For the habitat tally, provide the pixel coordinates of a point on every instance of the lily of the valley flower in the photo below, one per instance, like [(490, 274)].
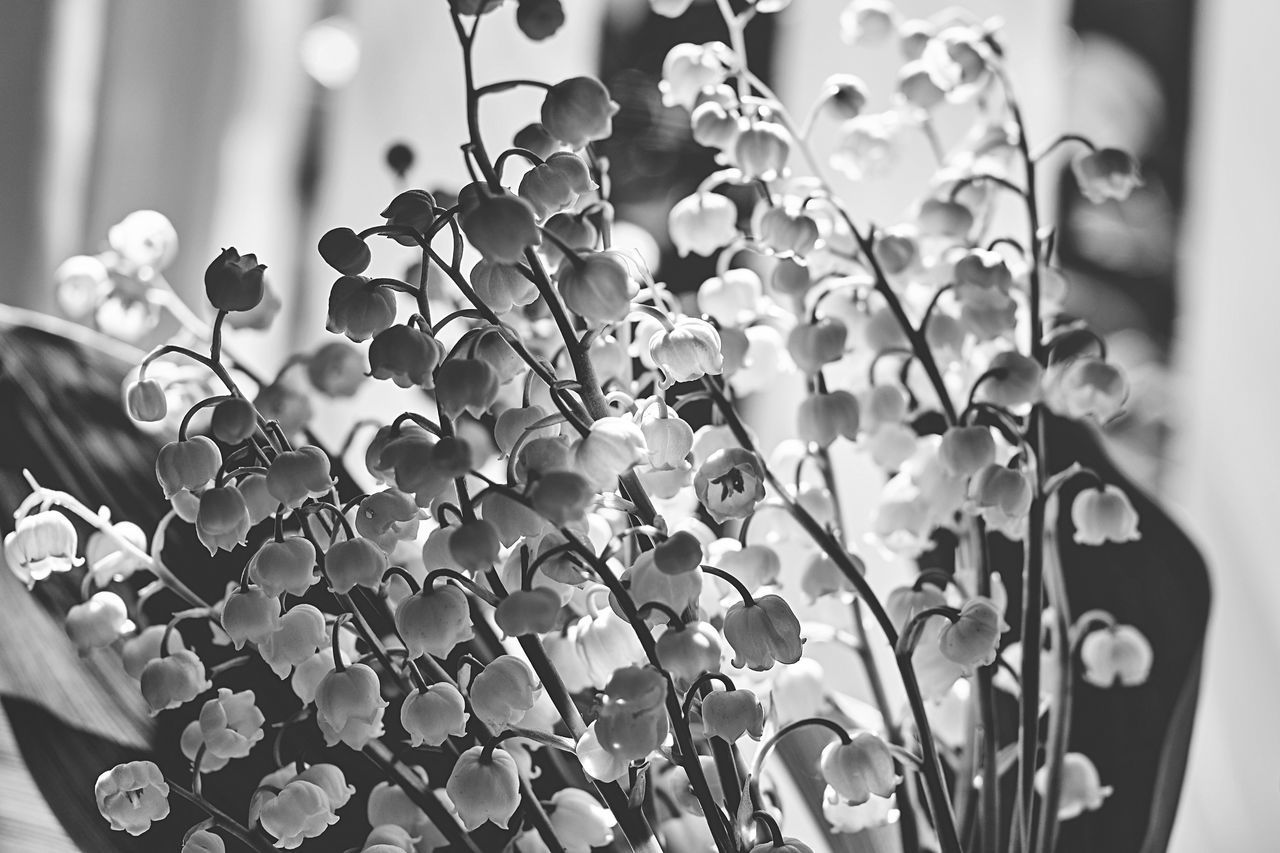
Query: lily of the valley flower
[(300, 634), (859, 769), (250, 615), (687, 351), (349, 706), (504, 691), (730, 714), (231, 723), (360, 308), (484, 787), (285, 566), (730, 484), (973, 638), (130, 796), (581, 821), (1082, 788), (633, 719), (98, 622), (295, 475), (300, 811), (1116, 654), (222, 520), (432, 715), (611, 448), (42, 543), (1107, 173), (354, 562), (234, 282), (188, 464), (434, 621), (702, 223), (578, 110), (1104, 514), (173, 680), (763, 631)]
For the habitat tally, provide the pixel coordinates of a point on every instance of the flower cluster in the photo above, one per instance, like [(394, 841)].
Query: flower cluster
[(559, 558)]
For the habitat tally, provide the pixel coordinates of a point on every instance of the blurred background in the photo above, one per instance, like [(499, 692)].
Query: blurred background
[(262, 125)]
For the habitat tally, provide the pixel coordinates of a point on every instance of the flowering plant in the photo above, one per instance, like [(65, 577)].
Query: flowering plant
[(549, 569)]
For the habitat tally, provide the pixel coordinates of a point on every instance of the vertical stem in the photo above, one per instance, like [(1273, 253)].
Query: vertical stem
[(991, 829), (1060, 708)]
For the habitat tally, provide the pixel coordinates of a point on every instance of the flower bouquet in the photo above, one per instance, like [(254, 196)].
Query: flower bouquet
[(552, 612)]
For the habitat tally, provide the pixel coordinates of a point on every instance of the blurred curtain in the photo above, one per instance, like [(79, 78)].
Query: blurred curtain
[(1227, 457)]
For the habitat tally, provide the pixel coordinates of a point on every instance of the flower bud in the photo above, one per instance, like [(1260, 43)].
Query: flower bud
[(336, 369), (144, 238), (130, 796), (296, 475), (173, 680), (763, 631), (233, 420), (824, 417), (703, 223), (813, 345), (1081, 787), (300, 811), (386, 518), (501, 226), (433, 715), (98, 622), (188, 464), (786, 234), (413, 209), (1104, 514), (730, 483), (730, 714), (406, 355), (349, 706), (919, 87), (597, 286), (146, 402), (680, 592), (345, 251), (578, 110), (823, 576), (250, 615), (581, 821), (562, 497), (222, 522), (231, 723), (484, 788), (754, 565), (973, 639), (633, 719), (1119, 653), (688, 651), (108, 559), (762, 149), (1086, 388), (1002, 495), (81, 281), (688, 69), (40, 544), (434, 621), (466, 385), (360, 308), (860, 768), (233, 282), (504, 691), (301, 633), (539, 19), (352, 563), (555, 184), (868, 22), (501, 286), (330, 779), (688, 351), (528, 611), (574, 230), (1106, 173)]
